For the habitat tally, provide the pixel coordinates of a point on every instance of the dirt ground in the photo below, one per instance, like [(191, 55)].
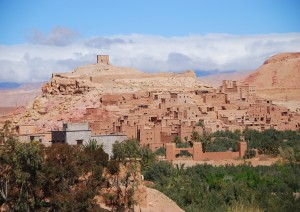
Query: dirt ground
[(158, 202)]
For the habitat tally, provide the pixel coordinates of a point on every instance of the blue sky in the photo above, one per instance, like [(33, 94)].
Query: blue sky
[(40, 37), (156, 17)]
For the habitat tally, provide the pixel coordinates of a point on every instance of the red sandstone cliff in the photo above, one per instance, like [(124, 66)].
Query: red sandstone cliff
[(279, 71)]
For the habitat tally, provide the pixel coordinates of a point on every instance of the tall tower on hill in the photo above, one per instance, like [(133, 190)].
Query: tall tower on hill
[(104, 59)]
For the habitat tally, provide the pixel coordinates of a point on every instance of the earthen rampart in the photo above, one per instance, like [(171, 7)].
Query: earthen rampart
[(199, 155)]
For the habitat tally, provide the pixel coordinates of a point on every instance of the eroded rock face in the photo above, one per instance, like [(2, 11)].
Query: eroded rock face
[(279, 71), (65, 85)]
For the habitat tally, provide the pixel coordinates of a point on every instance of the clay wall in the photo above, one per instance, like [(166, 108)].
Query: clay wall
[(25, 129), (130, 131), (166, 137), (220, 155), (103, 59), (147, 135), (213, 125), (185, 131), (229, 86), (215, 98), (184, 98), (155, 146), (232, 97), (199, 155), (247, 92)]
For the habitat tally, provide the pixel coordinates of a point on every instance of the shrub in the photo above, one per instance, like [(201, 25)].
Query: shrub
[(161, 151), (249, 153)]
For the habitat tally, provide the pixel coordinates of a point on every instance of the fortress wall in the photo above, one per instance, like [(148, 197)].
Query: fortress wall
[(220, 155), (199, 155)]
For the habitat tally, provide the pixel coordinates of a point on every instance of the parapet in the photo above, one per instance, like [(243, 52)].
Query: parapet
[(104, 59)]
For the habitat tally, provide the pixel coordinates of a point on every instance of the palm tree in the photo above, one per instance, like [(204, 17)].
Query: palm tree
[(92, 145), (177, 139)]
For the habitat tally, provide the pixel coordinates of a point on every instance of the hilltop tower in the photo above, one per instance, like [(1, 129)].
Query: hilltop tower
[(104, 59)]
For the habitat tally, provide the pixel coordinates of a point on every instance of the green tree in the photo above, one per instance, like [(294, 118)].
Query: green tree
[(20, 176), (72, 177), (6, 132), (126, 149)]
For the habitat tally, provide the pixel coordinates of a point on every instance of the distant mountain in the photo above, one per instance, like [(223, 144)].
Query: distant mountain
[(9, 85), (278, 79), (205, 73), (279, 71), (215, 79), (15, 94)]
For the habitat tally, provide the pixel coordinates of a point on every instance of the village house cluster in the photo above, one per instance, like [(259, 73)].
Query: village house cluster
[(156, 118)]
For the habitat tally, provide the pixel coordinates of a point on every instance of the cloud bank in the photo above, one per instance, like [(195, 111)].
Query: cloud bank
[(63, 50)]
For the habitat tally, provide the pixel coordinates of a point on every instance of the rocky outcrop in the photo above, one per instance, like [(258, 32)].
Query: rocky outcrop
[(112, 79), (65, 85)]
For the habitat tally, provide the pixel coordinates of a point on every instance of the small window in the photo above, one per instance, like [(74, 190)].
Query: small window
[(79, 142)]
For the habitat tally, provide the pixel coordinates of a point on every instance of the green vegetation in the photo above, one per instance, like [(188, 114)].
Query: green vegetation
[(67, 178), (268, 142), (229, 188), (161, 151), (60, 177), (131, 149)]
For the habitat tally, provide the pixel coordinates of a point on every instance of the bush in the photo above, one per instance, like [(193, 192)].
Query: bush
[(161, 151), (183, 145), (249, 153)]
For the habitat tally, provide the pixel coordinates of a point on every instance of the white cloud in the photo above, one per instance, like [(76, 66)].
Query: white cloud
[(37, 61), (58, 36)]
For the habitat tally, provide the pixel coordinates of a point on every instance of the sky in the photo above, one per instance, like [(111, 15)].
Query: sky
[(41, 37)]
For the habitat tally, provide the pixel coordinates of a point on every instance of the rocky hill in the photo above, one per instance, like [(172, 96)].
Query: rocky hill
[(279, 71), (278, 79), (112, 79), (67, 95)]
